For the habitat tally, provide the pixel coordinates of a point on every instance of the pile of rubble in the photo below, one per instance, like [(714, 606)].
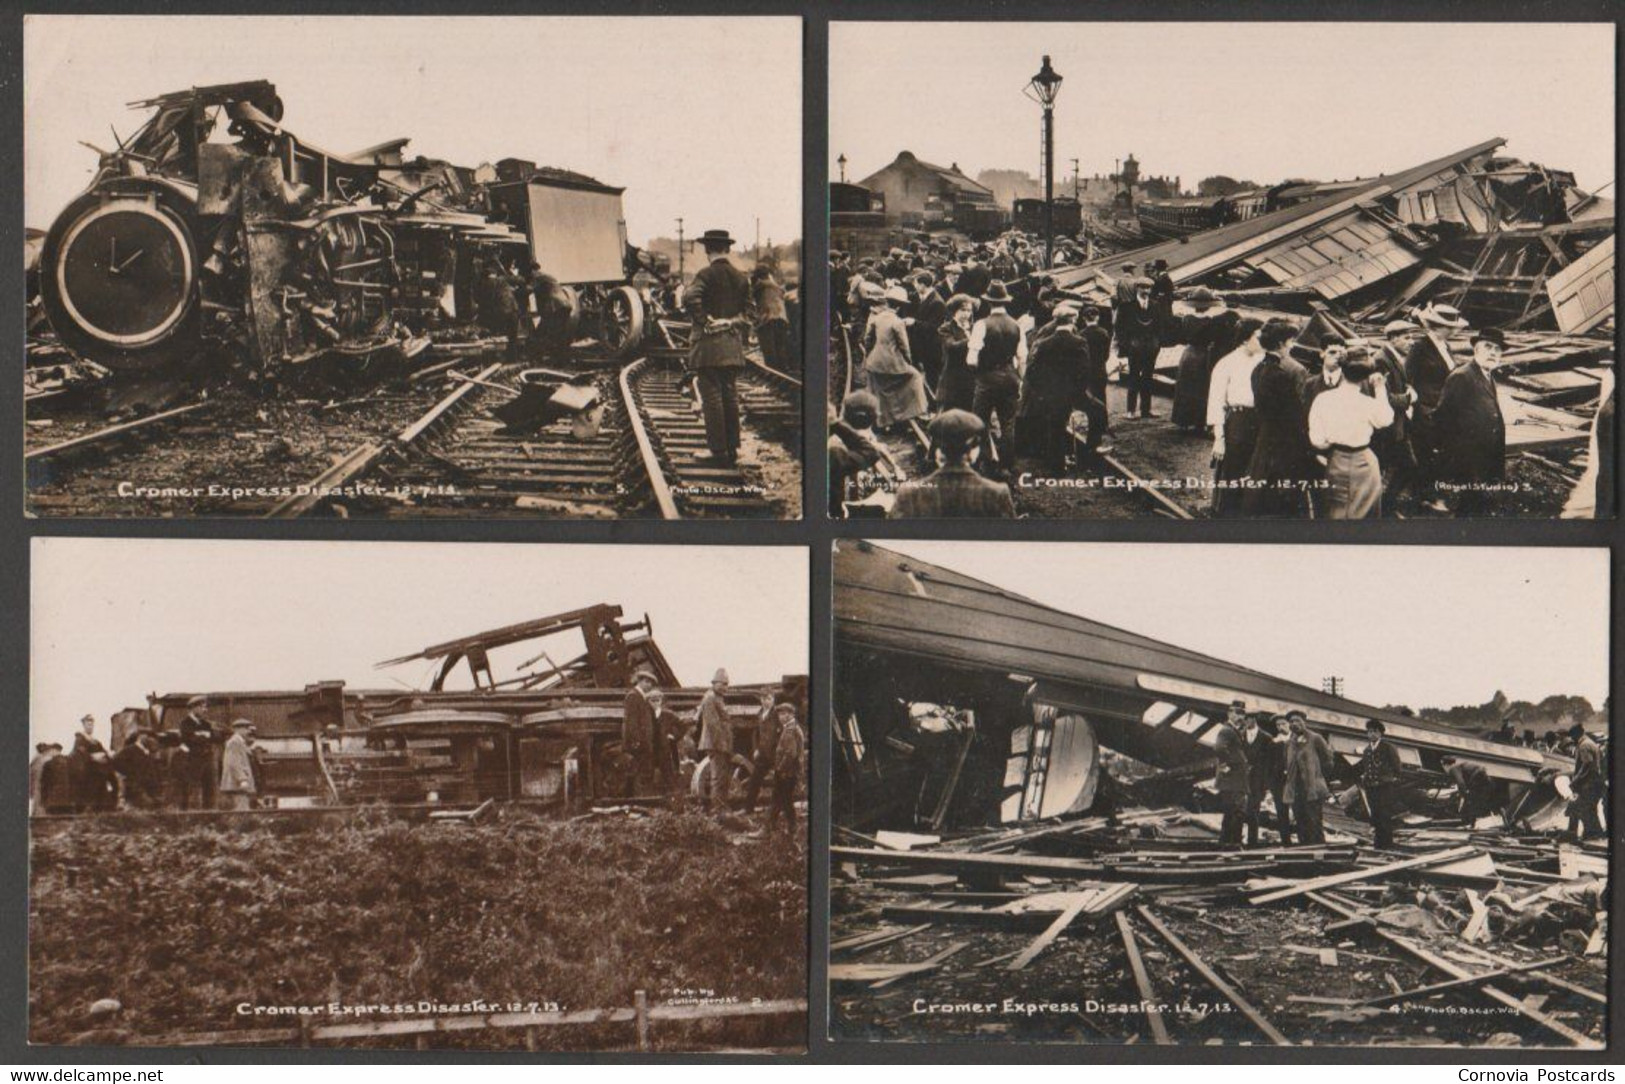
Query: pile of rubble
[(1141, 927)]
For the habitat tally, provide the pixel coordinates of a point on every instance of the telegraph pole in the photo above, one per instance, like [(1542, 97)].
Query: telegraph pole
[(841, 161), (1332, 686), (1074, 178), (681, 248)]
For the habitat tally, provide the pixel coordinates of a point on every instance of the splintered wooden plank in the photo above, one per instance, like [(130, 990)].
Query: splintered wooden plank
[(1333, 880), (929, 964), (1463, 983), (1051, 932), (1495, 993), (1142, 981), (863, 942), (1213, 978)]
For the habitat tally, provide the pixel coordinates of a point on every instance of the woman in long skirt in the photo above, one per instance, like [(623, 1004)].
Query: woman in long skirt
[(892, 377)]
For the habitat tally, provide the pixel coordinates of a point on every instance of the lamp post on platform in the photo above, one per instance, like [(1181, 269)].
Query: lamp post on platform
[(1043, 89)]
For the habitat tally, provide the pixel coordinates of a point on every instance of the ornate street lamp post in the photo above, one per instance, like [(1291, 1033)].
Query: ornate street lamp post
[(1043, 89)]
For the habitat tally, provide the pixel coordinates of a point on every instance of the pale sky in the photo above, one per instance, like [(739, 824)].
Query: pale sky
[(1255, 101), (113, 620), (695, 117), (1424, 626)]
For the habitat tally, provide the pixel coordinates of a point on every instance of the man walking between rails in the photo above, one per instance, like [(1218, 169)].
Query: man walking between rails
[(721, 305)]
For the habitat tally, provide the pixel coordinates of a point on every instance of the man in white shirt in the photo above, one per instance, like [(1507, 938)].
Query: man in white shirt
[(1231, 417), (1342, 421)]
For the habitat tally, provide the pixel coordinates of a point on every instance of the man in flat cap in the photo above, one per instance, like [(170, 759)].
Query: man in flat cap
[(237, 784), (1468, 429), (789, 761), (638, 732), (1393, 444), (955, 489), (198, 738), (717, 743), (1308, 764), (720, 303)]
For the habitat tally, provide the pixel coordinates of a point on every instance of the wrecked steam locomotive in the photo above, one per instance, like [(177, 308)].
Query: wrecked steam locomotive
[(507, 716), (269, 251)]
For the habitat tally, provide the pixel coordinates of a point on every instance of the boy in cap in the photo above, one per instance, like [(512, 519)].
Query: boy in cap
[(789, 757), (955, 489)]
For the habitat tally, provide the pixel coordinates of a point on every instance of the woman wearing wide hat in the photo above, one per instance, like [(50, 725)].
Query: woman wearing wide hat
[(1207, 331), (888, 365)]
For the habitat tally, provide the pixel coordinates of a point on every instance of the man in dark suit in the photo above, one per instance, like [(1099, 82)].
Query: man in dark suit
[(198, 744), (997, 352), (138, 769), (1099, 340), (1283, 460), (925, 317), (1266, 774), (720, 303), (1379, 774), (1468, 431), (955, 489), (1427, 364), (1139, 339), (1231, 750), (1054, 385), (638, 733), (1393, 444)]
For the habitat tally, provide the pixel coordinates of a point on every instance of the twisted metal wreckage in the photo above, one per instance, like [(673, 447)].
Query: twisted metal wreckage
[(270, 251), (548, 733)]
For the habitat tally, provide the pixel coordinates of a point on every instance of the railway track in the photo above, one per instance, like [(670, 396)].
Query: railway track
[(633, 453), (52, 459)]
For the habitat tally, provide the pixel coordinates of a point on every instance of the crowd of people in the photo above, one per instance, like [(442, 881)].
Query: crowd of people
[(1306, 419), (669, 754), (196, 766), (1279, 757)]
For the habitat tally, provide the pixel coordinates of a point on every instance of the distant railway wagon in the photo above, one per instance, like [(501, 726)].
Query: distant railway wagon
[(1028, 216), (551, 733)]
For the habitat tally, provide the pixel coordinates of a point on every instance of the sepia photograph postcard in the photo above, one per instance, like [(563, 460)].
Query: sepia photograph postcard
[(548, 798), (1233, 270), (413, 267), (1178, 795)]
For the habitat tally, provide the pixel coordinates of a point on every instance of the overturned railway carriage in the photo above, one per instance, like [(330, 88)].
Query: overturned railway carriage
[(269, 250), (549, 734), (961, 703)]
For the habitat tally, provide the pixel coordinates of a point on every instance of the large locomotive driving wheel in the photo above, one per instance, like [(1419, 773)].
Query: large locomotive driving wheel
[(120, 279)]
